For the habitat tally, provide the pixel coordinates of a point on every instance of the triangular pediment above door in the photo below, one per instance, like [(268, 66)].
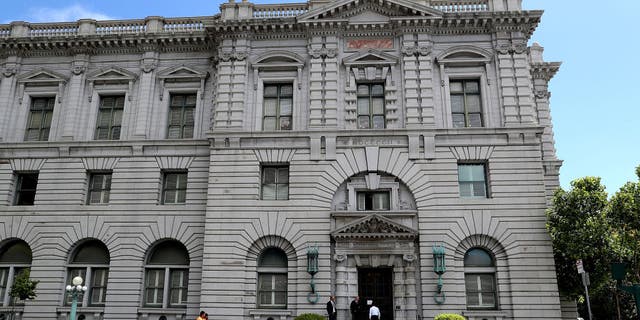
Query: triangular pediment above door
[(370, 57), (373, 227), (368, 11)]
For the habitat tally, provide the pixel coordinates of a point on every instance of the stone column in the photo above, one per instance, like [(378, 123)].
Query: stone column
[(418, 72), (148, 66), (7, 91), (72, 108), (323, 83), (342, 287), (232, 84)]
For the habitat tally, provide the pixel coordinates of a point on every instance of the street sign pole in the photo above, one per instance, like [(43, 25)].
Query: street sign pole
[(585, 282)]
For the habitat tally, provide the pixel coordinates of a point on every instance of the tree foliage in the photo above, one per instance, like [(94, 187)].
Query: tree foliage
[(584, 224), (579, 230), (23, 287)]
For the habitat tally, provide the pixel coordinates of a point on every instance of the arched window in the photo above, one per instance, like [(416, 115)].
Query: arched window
[(167, 276), (15, 257), (91, 262), (480, 279), (272, 278)]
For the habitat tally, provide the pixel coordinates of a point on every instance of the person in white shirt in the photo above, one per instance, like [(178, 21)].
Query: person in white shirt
[(374, 313)]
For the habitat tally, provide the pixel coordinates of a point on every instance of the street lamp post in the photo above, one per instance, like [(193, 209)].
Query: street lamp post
[(619, 271), (76, 290)]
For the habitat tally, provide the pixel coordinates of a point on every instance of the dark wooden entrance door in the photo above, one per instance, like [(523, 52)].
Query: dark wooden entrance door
[(376, 284)]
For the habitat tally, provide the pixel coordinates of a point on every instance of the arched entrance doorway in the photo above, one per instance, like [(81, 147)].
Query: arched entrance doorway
[(374, 246)]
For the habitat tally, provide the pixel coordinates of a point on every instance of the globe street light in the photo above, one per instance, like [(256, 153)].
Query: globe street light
[(76, 290)]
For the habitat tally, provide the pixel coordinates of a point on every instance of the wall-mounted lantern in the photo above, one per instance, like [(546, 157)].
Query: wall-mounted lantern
[(439, 268), (312, 269)]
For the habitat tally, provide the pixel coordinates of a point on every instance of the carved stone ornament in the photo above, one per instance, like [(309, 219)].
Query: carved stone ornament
[(322, 53), (339, 257), (148, 65), (9, 71), (416, 50), (517, 47), (409, 257), (542, 94), (375, 226), (226, 55)]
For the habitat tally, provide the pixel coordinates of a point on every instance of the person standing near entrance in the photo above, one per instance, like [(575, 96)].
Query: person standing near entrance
[(355, 308), (374, 312), (331, 308)]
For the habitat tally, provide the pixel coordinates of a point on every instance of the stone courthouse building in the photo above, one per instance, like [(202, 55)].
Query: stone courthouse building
[(186, 164)]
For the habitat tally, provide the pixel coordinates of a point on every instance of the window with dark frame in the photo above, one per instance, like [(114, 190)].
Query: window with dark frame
[(480, 279), (181, 116), (174, 187), (272, 279), (373, 200), (167, 274), (99, 187), (277, 106), (40, 114), (109, 121), (275, 182), (472, 180), (91, 262), (370, 106), (26, 185), (466, 106), (15, 257)]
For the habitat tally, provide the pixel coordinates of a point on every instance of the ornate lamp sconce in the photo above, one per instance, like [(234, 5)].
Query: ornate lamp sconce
[(312, 269), (439, 268)]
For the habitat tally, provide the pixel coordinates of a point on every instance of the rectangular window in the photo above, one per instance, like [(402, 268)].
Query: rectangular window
[(179, 283), (174, 187), (472, 180), (275, 182), (39, 123), (181, 116), (110, 117), (278, 106), (99, 279), (272, 290), (481, 290), (466, 109), (154, 287), (371, 111), (373, 201), (26, 184), (99, 187)]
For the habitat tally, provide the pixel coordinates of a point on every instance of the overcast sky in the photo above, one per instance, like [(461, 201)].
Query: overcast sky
[(595, 110)]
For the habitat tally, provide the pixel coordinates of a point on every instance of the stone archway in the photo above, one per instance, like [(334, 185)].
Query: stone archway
[(371, 243)]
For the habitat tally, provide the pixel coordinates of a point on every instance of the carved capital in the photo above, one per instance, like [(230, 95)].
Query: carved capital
[(409, 257), (233, 54), (9, 71), (416, 50), (322, 53), (339, 257), (542, 94)]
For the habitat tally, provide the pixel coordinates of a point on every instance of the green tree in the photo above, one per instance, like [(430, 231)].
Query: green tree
[(579, 230), (624, 215), (23, 287)]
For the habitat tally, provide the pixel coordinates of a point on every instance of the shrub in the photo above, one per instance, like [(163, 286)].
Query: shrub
[(23, 287), (449, 316), (309, 316)]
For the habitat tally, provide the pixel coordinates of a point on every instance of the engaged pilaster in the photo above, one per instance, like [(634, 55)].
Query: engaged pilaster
[(7, 90)]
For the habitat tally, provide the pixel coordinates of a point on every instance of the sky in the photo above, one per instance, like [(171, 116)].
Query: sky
[(593, 104)]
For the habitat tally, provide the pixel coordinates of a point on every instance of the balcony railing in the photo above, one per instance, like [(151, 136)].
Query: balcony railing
[(184, 24), (121, 27), (53, 30), (279, 10), (461, 6)]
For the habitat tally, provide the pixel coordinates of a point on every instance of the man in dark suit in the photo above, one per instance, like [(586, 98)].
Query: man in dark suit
[(331, 308)]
